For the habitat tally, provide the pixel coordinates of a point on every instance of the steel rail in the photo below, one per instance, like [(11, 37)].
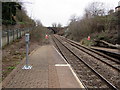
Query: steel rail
[(103, 55), (99, 75), (65, 58), (118, 69)]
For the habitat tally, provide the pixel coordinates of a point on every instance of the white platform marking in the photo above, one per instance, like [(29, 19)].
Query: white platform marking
[(81, 85), (63, 65)]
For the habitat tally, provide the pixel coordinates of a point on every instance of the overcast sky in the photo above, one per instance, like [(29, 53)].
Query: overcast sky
[(60, 11)]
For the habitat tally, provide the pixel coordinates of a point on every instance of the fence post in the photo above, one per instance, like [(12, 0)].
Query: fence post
[(28, 30), (8, 39), (13, 36), (25, 30), (20, 33), (17, 33)]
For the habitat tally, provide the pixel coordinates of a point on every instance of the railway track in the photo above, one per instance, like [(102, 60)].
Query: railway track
[(91, 72), (114, 63), (113, 54)]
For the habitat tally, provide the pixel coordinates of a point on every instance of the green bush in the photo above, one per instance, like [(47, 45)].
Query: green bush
[(11, 67)]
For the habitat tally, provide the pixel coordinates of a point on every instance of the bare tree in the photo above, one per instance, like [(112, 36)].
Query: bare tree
[(38, 23), (73, 18), (95, 9), (59, 25), (54, 25)]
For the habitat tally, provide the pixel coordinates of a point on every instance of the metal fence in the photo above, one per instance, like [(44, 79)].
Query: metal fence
[(9, 36)]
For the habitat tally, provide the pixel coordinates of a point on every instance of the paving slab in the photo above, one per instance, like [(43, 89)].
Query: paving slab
[(49, 70)]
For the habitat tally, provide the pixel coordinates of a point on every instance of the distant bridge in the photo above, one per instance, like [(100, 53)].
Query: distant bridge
[(56, 29)]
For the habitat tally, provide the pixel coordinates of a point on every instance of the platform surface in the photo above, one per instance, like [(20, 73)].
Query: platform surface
[(49, 70)]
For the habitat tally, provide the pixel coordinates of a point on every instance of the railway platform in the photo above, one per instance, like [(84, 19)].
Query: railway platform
[(49, 70)]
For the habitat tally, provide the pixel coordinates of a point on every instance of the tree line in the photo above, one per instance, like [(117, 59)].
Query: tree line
[(95, 20), (14, 14)]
